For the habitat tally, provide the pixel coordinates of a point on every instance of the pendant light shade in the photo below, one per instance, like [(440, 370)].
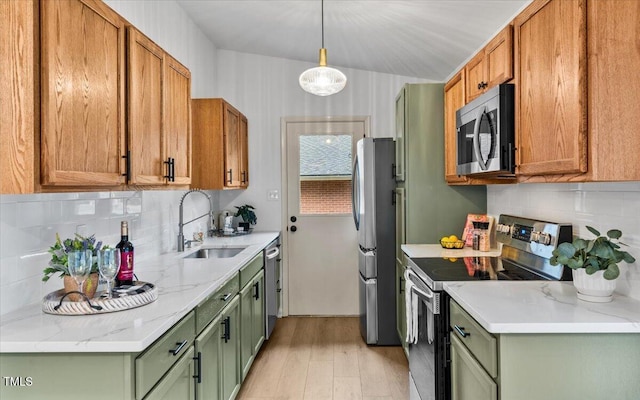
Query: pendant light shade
[(322, 80)]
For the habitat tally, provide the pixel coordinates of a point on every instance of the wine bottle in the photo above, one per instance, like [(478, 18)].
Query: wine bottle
[(125, 275)]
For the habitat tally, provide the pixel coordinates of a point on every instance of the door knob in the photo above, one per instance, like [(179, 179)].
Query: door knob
[(293, 218), (293, 228)]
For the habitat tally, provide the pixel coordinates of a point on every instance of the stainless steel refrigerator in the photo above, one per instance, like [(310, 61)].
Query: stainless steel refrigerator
[(374, 217)]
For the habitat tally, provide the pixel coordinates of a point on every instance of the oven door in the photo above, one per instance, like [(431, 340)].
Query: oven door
[(427, 357)]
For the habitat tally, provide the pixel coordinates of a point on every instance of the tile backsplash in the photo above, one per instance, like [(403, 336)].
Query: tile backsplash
[(603, 206), (29, 223)]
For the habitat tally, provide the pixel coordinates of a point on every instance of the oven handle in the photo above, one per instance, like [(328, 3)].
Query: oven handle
[(427, 295)]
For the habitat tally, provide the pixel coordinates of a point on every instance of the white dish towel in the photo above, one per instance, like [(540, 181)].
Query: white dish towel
[(411, 304)]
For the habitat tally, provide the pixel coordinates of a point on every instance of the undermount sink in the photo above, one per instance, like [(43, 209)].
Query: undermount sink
[(216, 252)]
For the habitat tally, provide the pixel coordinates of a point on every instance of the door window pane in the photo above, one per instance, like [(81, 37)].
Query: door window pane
[(325, 174)]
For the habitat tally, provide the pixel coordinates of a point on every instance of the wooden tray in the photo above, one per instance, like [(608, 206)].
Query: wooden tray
[(124, 298)]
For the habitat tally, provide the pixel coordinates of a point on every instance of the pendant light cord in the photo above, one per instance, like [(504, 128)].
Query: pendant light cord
[(322, 19)]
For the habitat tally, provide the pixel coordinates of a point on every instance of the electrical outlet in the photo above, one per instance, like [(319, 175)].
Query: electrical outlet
[(273, 195)]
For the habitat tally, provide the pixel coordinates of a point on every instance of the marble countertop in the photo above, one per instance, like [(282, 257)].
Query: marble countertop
[(542, 307), (435, 250), (182, 284)]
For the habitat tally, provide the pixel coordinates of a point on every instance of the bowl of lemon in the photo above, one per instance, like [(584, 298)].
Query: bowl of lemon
[(451, 242)]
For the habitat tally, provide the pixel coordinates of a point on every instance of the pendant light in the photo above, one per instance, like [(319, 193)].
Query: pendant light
[(322, 80)]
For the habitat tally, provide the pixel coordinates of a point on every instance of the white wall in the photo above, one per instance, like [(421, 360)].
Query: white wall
[(266, 89), (603, 206)]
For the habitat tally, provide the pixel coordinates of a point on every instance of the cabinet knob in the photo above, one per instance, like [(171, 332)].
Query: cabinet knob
[(293, 228)]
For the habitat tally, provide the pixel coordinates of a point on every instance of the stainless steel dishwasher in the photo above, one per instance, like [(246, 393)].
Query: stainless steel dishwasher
[(272, 285)]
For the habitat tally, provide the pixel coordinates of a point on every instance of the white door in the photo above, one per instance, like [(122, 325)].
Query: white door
[(322, 242)]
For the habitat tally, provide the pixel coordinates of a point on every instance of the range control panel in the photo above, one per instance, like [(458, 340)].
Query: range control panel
[(533, 236)]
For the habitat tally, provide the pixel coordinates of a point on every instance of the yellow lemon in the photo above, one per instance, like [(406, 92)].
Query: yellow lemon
[(445, 239), (453, 259), (453, 238)]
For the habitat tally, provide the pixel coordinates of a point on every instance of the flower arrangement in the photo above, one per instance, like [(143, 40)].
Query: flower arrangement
[(59, 253)]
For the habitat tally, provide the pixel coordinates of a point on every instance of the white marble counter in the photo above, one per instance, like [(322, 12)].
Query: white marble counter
[(435, 250), (542, 307), (182, 285)]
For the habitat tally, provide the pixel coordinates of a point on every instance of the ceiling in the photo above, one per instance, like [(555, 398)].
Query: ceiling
[(418, 38)]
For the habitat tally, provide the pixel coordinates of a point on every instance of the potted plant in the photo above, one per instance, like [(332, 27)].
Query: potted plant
[(59, 264), (594, 263), (248, 216)]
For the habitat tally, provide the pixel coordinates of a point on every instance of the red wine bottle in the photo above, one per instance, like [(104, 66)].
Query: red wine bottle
[(125, 275)]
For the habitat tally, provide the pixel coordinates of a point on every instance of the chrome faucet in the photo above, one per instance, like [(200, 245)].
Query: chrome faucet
[(181, 224)]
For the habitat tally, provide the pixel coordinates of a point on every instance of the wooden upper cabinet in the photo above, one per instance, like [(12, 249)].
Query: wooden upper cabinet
[(454, 98), (159, 101), (244, 151), (231, 145), (220, 145), (83, 94), (177, 119), (146, 87), (19, 119), (492, 65), (614, 88), (551, 101)]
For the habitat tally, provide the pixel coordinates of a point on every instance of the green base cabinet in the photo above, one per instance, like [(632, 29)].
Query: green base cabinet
[(550, 366), (230, 350), (208, 345), (177, 384), (252, 321)]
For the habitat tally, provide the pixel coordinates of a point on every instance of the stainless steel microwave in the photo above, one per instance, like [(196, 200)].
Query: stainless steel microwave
[(485, 130)]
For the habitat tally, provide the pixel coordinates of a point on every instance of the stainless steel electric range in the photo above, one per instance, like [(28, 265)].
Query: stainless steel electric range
[(527, 245)]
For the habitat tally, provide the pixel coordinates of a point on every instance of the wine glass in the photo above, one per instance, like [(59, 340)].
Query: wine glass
[(108, 266), (79, 262)]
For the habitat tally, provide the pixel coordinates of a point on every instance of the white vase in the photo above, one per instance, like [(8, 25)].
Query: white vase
[(593, 287)]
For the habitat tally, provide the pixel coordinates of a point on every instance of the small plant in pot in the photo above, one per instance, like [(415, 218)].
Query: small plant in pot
[(60, 264), (594, 263), (248, 216)]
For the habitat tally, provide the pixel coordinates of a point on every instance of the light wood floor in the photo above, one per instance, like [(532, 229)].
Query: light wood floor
[(325, 358)]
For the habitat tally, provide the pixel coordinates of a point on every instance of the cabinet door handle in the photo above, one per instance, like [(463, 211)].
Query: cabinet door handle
[(127, 172), (461, 331), (230, 173), (177, 349), (480, 85), (168, 164), (244, 176), (198, 376), (226, 297), (256, 286), (173, 169), (226, 334)]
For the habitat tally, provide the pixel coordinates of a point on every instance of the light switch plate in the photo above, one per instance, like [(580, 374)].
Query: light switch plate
[(273, 195)]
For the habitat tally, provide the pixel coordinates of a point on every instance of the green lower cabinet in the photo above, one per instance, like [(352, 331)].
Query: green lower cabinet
[(177, 384), (208, 346), (62, 376), (534, 366), (401, 309), (252, 321), (230, 350), (258, 318), (468, 379)]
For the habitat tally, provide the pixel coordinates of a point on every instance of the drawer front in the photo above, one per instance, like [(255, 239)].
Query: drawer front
[(160, 356), (480, 343), (251, 269), (208, 309)]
